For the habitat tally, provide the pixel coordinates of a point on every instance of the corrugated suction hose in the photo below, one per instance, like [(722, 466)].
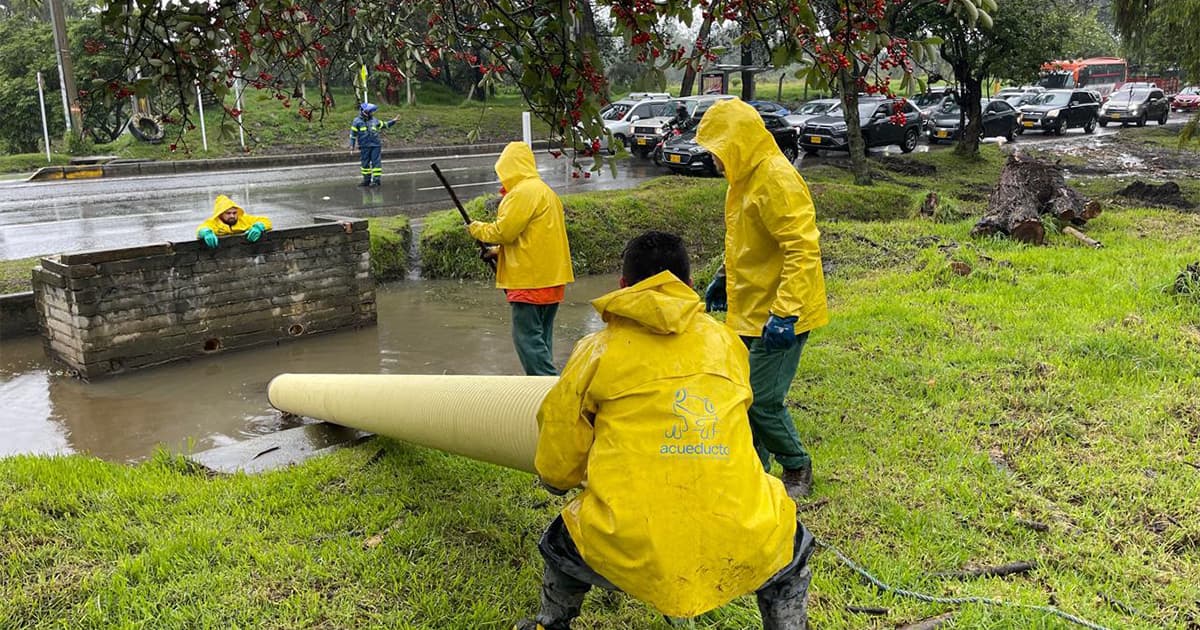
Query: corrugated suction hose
[(489, 418)]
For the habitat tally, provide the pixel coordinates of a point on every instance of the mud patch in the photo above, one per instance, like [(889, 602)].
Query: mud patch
[(908, 167), (1168, 194)]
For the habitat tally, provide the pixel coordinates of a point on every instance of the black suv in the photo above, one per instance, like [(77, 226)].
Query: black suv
[(1055, 111), (878, 129), (682, 155), (1136, 104)]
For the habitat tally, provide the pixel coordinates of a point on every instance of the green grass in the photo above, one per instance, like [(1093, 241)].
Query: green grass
[(1050, 384), (598, 225), (29, 162), (391, 240), (438, 118), (1162, 137), (15, 275)]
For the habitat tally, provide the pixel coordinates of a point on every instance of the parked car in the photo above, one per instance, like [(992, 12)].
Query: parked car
[(999, 119), (649, 133), (1019, 96), (1135, 105), (875, 116), (769, 107), (1187, 100), (618, 117), (929, 101), (1055, 111), (812, 109), (681, 154)]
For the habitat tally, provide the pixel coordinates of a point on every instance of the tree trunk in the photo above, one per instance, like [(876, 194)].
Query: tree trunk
[(689, 75), (858, 146), (747, 75), (1028, 189), (972, 92), (586, 30)]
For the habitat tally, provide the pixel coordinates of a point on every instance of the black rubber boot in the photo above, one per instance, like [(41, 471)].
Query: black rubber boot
[(798, 482), (376, 182), (366, 181)]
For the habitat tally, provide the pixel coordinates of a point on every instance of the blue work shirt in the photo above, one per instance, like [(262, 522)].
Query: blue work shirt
[(365, 132)]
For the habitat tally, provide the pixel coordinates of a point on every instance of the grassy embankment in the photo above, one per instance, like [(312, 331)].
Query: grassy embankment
[(1042, 407), (438, 118)]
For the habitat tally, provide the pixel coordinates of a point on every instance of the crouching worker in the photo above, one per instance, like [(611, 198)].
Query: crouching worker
[(650, 418), (229, 218)]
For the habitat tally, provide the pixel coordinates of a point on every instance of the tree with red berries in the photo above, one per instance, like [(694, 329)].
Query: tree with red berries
[(548, 48)]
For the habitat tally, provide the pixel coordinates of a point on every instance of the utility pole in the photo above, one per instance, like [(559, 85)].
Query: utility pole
[(66, 75)]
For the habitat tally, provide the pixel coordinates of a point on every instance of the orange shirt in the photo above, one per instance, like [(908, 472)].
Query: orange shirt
[(546, 295)]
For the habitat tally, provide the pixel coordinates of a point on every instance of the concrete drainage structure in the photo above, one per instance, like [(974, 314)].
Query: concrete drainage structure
[(109, 311)]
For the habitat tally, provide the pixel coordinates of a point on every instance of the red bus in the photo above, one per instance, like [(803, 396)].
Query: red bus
[(1102, 74)]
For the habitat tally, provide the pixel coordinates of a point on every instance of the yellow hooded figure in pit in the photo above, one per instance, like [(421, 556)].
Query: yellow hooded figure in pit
[(227, 219)]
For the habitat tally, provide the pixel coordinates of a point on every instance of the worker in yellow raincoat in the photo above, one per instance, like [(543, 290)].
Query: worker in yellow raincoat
[(649, 418), (533, 260), (229, 218), (772, 283)]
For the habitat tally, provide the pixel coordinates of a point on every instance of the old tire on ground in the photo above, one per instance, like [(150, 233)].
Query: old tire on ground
[(147, 128)]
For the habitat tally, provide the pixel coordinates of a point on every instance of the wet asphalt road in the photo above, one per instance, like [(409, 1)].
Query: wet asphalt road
[(38, 218), (52, 217)]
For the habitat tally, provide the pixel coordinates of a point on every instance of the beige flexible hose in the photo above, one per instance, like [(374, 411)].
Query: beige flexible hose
[(488, 418)]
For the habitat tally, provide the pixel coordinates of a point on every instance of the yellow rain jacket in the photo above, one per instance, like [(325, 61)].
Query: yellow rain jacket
[(244, 221), (650, 413), (530, 227), (772, 258)]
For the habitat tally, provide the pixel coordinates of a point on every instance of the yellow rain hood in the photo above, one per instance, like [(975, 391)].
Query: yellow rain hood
[(492, 419)]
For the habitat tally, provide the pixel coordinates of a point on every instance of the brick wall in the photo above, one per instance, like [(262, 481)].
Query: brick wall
[(106, 312)]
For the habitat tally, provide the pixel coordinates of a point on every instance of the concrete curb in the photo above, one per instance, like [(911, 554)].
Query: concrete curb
[(177, 167)]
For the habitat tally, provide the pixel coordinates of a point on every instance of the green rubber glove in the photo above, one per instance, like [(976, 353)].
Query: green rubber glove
[(255, 232), (210, 237)]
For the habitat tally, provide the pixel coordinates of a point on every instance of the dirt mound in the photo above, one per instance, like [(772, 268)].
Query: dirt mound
[(908, 167), (1167, 194)]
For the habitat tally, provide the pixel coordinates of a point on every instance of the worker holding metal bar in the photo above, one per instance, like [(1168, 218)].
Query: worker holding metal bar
[(533, 257)]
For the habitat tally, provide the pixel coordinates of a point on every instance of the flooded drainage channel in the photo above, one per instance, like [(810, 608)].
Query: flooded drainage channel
[(429, 327)]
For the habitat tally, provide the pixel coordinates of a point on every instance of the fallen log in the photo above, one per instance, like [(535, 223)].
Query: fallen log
[(1027, 190), (1087, 240)]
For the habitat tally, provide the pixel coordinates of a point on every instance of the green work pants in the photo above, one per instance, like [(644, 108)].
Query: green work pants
[(771, 374), (533, 336)]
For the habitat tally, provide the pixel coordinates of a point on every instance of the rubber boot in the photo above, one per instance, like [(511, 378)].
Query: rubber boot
[(376, 182), (366, 181)]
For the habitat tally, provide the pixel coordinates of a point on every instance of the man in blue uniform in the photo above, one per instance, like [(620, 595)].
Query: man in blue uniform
[(364, 132)]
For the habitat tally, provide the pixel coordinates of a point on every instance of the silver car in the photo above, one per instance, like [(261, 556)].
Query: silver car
[(618, 117)]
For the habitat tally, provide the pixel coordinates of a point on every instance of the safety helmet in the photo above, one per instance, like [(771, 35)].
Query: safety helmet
[(368, 108)]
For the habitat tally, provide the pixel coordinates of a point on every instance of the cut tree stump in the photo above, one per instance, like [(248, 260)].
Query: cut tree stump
[(1028, 189)]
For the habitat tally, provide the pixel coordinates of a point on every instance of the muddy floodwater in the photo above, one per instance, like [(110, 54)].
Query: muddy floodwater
[(439, 327)]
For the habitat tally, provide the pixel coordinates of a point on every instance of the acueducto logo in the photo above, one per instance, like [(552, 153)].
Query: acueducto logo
[(696, 418)]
